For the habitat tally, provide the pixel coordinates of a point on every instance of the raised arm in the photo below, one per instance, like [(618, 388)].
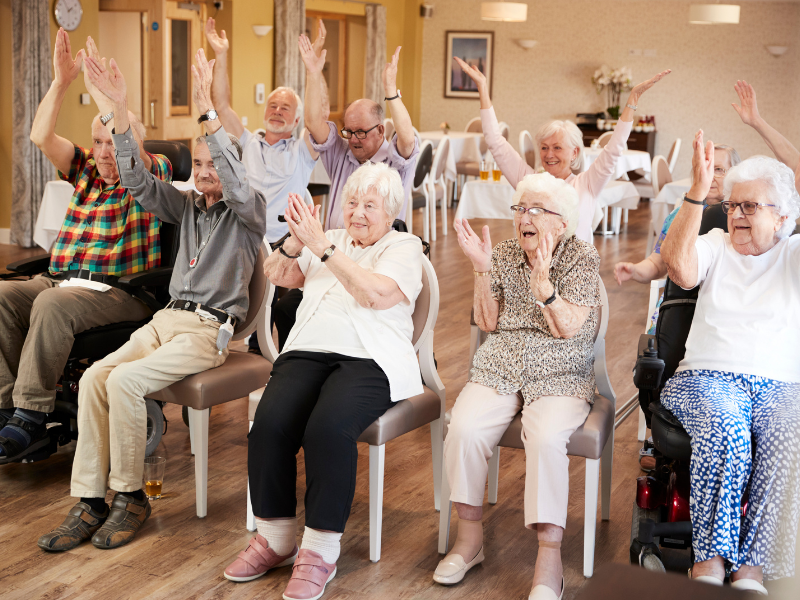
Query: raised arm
[(57, 149), (400, 116), (282, 269), (479, 252), (679, 251), (636, 94), (782, 148), (221, 88), (315, 123), (652, 267)]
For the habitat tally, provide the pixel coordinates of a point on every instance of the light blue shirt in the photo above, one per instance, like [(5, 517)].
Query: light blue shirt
[(276, 171)]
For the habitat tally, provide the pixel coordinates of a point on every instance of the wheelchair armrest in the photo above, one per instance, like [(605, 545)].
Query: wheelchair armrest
[(649, 368), (152, 277), (30, 266)]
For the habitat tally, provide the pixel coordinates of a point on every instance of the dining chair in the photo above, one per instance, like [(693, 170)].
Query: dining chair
[(504, 129), (604, 139), (527, 149), (672, 157), (388, 129), (436, 180), (405, 416), (420, 190), (594, 440), (660, 175), (471, 168)]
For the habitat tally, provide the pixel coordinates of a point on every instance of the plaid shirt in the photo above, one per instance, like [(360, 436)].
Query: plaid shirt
[(105, 230)]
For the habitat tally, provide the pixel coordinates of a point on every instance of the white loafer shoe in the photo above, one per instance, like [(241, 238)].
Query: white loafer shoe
[(750, 585), (543, 592), (452, 568)]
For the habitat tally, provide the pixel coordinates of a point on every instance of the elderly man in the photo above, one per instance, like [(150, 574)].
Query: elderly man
[(221, 231), (105, 236)]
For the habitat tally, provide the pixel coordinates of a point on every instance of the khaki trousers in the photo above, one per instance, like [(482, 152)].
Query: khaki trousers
[(38, 324), (112, 418), (479, 419)]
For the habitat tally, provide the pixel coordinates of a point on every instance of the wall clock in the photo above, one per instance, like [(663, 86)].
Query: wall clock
[(68, 14)]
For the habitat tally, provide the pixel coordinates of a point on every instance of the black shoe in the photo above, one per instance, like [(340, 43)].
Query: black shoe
[(14, 450), (127, 516), (81, 523)]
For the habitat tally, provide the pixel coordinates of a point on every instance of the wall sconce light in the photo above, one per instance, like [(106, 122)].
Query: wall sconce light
[(777, 51), (261, 30), (714, 14), (526, 44)]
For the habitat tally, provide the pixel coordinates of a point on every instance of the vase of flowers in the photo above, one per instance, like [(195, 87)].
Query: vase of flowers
[(445, 127), (614, 81)]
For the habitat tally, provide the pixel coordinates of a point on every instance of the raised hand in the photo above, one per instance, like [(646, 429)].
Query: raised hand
[(748, 110), (66, 68), (702, 167), (314, 63), (202, 76), (478, 251), (319, 41), (108, 81), (219, 42), (623, 271), (390, 74), (473, 73), (540, 268), (641, 88), (305, 224)]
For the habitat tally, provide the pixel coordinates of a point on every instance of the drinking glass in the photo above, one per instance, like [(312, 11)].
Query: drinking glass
[(496, 172), (154, 476), (484, 170)]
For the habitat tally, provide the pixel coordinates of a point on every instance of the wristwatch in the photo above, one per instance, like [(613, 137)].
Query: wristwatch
[(393, 97), (209, 116), (106, 118), (328, 253), (550, 300)]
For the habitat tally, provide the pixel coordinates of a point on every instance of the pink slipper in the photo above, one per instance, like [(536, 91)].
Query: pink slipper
[(257, 560), (310, 574)]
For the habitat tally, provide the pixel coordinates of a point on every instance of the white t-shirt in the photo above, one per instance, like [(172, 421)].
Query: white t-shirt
[(385, 335), (747, 318)]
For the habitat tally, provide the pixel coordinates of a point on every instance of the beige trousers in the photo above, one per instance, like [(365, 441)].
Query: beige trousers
[(479, 419), (112, 418)]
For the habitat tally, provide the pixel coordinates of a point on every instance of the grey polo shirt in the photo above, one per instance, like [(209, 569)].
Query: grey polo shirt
[(227, 235)]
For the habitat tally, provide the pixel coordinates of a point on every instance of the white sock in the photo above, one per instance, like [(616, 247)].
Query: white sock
[(327, 544), (281, 534)]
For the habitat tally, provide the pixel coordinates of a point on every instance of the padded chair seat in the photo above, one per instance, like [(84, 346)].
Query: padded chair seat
[(239, 375), (404, 416), (587, 441), (472, 169), (669, 437), (418, 200)]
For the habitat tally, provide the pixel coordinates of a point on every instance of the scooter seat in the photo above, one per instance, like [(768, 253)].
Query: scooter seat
[(669, 436)]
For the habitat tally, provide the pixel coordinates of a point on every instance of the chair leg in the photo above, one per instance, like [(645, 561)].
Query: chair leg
[(625, 215), (445, 513), (494, 474), (198, 420), (642, 426), (191, 434), (616, 214), (590, 515), (251, 518), (377, 455), (437, 448), (607, 468), (444, 209), (432, 209), (426, 222)]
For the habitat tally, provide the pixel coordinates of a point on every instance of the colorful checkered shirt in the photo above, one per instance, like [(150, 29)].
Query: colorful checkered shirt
[(105, 230)]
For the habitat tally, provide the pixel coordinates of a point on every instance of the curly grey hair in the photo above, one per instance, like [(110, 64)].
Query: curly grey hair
[(380, 178), (559, 190)]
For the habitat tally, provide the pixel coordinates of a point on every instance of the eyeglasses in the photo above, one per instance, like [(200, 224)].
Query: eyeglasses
[(533, 211), (748, 208), (360, 134), (720, 171)]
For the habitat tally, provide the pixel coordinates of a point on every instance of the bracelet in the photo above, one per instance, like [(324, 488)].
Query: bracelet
[(550, 300), (106, 118), (690, 201), (481, 273), (634, 108), (288, 255), (395, 97)]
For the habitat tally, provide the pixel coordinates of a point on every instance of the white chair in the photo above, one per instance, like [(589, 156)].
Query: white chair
[(388, 129), (672, 157), (474, 125), (504, 129), (593, 440), (661, 176), (421, 191), (603, 140), (527, 149), (435, 180), (405, 416)]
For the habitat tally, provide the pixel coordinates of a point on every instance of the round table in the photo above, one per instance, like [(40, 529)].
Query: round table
[(464, 146)]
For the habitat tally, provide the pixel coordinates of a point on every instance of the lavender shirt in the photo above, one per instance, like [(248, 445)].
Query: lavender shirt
[(340, 163)]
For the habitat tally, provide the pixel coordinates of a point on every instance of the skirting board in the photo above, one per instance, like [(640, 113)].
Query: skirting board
[(5, 236)]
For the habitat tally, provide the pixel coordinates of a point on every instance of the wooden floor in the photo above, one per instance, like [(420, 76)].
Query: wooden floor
[(176, 555)]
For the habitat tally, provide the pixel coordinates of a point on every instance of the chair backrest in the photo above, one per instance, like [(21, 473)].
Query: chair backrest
[(417, 136), (475, 126), (504, 129), (179, 156), (260, 292), (672, 157), (440, 159), (424, 162), (660, 173), (426, 308), (603, 139), (602, 380), (388, 129), (527, 149)]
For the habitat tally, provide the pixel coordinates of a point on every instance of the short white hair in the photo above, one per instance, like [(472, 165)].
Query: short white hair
[(556, 189), (299, 110), (380, 178), (572, 136), (780, 181)]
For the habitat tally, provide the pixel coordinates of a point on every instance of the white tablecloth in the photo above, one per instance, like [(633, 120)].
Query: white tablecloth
[(463, 147), (319, 174), (667, 198), (629, 161)]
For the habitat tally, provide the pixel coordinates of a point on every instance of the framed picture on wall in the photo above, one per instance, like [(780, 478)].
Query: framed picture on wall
[(475, 48)]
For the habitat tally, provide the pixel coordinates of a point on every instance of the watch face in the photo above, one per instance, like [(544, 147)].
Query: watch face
[(212, 114), (68, 14), (328, 251)]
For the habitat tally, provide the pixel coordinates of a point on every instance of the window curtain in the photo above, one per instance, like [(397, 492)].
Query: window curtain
[(376, 53), (31, 73), (290, 22)]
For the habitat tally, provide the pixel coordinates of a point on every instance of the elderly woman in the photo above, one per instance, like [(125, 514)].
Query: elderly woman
[(560, 146), (348, 358), (739, 382), (538, 297)]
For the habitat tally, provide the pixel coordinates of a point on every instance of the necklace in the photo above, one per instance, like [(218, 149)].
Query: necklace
[(200, 247)]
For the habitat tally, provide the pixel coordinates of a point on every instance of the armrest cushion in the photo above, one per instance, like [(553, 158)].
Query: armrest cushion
[(30, 266), (152, 277)]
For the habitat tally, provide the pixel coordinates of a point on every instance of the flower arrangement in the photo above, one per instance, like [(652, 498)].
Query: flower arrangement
[(444, 126), (615, 81)]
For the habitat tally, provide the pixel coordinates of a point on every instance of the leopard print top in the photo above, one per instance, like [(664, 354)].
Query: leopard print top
[(522, 354)]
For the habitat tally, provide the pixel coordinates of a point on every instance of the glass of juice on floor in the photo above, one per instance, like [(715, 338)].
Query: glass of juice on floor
[(154, 476), (484, 170)]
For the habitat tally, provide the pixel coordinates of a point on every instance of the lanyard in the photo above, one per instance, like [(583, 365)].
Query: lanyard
[(198, 246)]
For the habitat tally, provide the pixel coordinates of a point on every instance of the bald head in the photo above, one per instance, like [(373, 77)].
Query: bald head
[(364, 115)]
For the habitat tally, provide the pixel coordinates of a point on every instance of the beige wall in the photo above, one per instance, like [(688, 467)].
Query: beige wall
[(5, 114), (252, 58), (553, 80), (120, 36)]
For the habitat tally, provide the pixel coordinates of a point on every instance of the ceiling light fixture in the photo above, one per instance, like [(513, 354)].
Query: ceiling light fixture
[(714, 14), (509, 12)]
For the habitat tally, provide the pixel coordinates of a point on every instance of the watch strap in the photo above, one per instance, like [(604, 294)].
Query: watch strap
[(328, 253), (287, 255), (206, 117), (395, 97), (690, 201), (550, 300), (106, 118)]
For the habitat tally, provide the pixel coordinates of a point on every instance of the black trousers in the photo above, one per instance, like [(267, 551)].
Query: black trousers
[(322, 402), (284, 314)]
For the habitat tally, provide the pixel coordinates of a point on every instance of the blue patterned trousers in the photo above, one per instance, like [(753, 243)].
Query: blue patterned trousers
[(725, 413)]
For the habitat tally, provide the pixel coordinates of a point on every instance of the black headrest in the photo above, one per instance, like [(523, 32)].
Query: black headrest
[(179, 156), (714, 218), (424, 163)]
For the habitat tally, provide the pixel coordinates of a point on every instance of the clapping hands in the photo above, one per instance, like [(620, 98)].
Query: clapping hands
[(305, 224), (66, 68), (202, 76)]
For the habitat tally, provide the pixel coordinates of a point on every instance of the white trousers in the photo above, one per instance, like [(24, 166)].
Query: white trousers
[(481, 416)]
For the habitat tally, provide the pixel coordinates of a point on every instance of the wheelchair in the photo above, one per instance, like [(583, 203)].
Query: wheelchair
[(151, 287), (661, 516)]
